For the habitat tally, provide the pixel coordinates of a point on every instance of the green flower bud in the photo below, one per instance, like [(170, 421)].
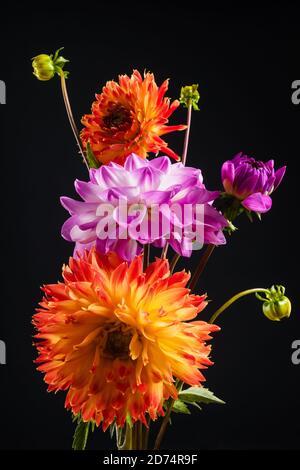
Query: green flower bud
[(276, 305), (277, 310), (43, 67), (46, 66), (190, 96)]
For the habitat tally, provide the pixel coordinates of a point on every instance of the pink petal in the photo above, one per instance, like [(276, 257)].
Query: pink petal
[(258, 202)]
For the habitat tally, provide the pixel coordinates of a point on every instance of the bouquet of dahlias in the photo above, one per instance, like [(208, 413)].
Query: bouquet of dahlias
[(121, 333)]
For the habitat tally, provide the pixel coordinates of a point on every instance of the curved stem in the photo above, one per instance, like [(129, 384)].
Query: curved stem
[(70, 116), (201, 266), (187, 135), (233, 299)]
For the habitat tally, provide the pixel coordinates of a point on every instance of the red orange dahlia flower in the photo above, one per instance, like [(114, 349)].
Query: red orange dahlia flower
[(116, 337), (129, 116)]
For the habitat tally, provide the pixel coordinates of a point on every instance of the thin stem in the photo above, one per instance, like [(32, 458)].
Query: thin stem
[(201, 266), (233, 299), (164, 426), (165, 250), (183, 161), (187, 135), (70, 116), (174, 262), (146, 257), (166, 419)]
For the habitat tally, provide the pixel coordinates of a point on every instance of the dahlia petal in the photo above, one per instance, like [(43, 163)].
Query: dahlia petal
[(183, 246), (245, 187), (115, 177), (82, 236), (134, 162), (77, 207), (279, 174), (268, 187), (135, 347), (127, 249), (258, 203), (156, 197), (270, 164), (214, 238), (67, 227), (161, 163), (147, 178), (88, 191), (228, 174)]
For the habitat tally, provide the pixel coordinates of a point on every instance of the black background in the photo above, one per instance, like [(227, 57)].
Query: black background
[(245, 61)]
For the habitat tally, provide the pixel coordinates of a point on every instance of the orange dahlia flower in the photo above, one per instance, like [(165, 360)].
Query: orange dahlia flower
[(129, 117), (117, 337)]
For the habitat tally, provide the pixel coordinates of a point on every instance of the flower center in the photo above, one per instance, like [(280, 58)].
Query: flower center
[(117, 344), (118, 118), (255, 164)]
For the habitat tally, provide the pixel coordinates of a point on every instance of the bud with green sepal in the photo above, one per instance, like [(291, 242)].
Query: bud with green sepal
[(46, 66), (276, 305), (190, 96)]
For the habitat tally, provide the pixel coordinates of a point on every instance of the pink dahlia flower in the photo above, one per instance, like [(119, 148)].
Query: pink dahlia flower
[(251, 181), (125, 207)]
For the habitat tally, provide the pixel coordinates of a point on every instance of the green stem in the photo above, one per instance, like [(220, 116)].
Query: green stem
[(70, 116), (166, 419), (187, 135), (233, 299), (165, 251)]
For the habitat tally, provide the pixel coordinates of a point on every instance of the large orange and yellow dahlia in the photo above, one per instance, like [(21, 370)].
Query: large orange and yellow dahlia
[(117, 337), (129, 117)]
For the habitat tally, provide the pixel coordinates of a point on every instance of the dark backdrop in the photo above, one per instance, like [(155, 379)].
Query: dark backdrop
[(245, 61)]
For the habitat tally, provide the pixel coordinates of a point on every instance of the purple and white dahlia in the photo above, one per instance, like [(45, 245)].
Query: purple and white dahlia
[(251, 181), (145, 201)]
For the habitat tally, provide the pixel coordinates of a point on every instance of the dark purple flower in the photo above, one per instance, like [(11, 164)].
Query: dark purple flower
[(156, 195), (251, 181)]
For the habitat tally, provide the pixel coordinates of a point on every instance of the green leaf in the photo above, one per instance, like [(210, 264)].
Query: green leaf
[(199, 395), (75, 417), (81, 435), (91, 159), (180, 407)]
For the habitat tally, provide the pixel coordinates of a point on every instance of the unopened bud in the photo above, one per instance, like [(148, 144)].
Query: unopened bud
[(46, 66), (276, 305), (190, 96)]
